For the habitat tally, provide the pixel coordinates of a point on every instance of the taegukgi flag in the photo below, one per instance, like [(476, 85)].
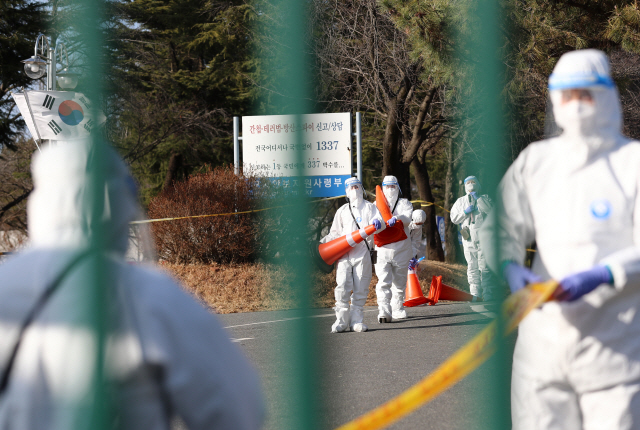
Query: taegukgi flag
[(58, 115)]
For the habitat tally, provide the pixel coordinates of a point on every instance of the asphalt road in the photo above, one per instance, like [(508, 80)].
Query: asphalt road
[(360, 371)]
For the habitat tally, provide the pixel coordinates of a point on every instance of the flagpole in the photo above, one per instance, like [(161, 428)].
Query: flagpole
[(26, 98)]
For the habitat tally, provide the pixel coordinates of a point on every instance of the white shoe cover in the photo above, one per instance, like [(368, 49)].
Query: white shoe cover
[(359, 328), (342, 320), (384, 317), (399, 314), (357, 319), (337, 327)]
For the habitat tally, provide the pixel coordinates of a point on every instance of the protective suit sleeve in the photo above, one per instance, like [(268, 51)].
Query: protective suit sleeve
[(416, 238), (206, 377), (484, 204), (457, 211), (374, 213), (403, 211), (515, 229), (625, 264)]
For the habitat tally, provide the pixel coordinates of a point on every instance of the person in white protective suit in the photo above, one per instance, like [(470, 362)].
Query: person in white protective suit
[(470, 211), (576, 363), (393, 258), (418, 217), (165, 355), (353, 271)]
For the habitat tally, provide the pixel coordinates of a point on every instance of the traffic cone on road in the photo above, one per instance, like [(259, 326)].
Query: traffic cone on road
[(440, 291), (414, 296), (330, 252)]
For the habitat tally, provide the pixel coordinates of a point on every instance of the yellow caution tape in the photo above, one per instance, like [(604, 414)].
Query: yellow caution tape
[(425, 204), (146, 221), (459, 365)]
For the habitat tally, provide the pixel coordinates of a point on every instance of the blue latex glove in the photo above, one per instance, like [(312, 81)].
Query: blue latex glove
[(469, 209), (518, 276), (392, 221), (578, 284), (376, 223), (474, 195), (413, 263)]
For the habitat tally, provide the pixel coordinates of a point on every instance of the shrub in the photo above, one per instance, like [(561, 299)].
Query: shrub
[(230, 238), (223, 239)]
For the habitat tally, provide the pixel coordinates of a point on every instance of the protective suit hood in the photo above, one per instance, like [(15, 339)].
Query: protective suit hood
[(355, 196), (58, 210), (391, 194), (471, 187), (587, 127)]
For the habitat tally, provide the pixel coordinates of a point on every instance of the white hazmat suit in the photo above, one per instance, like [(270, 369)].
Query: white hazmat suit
[(418, 217), (393, 258), (470, 211), (164, 353), (353, 271), (577, 364)]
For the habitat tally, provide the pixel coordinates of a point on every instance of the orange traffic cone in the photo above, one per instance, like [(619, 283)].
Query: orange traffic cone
[(382, 205), (330, 252), (414, 296), (440, 291), (389, 234)]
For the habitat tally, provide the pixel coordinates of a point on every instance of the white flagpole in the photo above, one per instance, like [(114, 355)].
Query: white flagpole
[(26, 98)]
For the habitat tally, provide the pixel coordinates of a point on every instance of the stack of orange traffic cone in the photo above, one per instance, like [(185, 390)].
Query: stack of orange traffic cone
[(328, 253), (440, 291), (414, 296)]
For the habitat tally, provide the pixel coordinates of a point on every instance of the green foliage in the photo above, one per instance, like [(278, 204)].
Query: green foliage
[(186, 69), (433, 29), (539, 33)]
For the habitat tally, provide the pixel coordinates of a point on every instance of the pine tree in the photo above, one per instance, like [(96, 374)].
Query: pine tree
[(20, 23)]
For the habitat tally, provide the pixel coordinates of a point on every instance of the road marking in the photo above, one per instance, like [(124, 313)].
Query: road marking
[(482, 310), (240, 340), (290, 319)]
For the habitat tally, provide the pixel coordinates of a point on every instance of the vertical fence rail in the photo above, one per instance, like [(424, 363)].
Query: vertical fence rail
[(88, 18), (487, 84), (299, 397)]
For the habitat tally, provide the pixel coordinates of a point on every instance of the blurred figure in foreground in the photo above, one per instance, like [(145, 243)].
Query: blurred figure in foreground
[(165, 354), (470, 211), (353, 272), (577, 359)]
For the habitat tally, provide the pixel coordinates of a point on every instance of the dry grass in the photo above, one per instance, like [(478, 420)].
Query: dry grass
[(251, 287)]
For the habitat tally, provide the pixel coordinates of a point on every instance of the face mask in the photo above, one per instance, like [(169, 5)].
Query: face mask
[(576, 117), (355, 195), (470, 187), (391, 194)]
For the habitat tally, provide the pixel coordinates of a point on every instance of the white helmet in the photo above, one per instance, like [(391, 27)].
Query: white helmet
[(418, 217)]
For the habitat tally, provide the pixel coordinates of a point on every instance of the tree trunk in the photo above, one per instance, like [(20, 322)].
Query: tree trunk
[(172, 171), (434, 245), (450, 229)]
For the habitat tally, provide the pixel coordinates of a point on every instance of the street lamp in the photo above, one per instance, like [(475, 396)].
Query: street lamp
[(45, 62)]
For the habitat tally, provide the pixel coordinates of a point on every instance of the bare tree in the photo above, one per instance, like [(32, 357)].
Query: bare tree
[(15, 187), (364, 64)]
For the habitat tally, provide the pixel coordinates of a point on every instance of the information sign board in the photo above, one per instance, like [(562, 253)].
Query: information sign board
[(271, 148)]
